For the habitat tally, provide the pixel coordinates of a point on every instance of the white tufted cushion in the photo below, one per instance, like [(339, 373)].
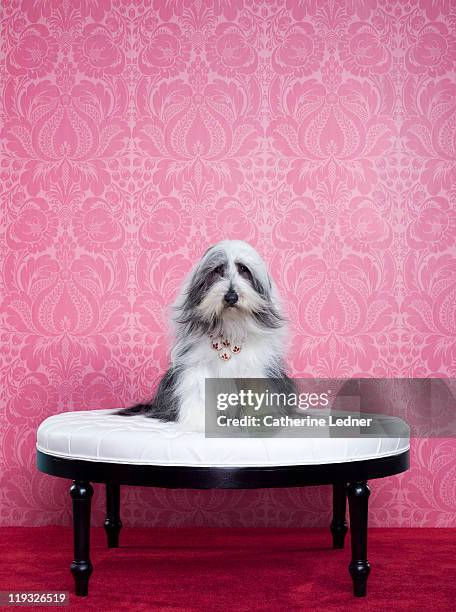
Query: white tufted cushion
[(98, 435)]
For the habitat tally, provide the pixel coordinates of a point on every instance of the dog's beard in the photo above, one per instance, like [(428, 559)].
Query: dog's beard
[(233, 322)]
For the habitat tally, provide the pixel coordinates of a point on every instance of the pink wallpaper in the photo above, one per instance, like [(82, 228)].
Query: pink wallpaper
[(138, 132)]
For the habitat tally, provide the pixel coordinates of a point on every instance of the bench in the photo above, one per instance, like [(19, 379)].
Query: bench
[(98, 446)]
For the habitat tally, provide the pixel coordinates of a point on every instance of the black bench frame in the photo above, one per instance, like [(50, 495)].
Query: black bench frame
[(349, 479)]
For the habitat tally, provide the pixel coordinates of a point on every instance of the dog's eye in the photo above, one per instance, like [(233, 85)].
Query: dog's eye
[(244, 271), (214, 275)]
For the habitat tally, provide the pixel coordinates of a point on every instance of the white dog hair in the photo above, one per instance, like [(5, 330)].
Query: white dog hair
[(227, 322)]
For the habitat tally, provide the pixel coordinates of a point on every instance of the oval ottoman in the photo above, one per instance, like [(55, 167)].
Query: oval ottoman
[(99, 446)]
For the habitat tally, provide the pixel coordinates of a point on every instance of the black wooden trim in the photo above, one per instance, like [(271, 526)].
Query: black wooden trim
[(174, 477)]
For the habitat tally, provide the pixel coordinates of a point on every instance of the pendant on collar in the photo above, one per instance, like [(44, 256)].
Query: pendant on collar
[(224, 347)]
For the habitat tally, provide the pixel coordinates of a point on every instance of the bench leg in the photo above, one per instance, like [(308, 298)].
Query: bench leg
[(81, 493), (359, 568), (112, 523), (339, 524)]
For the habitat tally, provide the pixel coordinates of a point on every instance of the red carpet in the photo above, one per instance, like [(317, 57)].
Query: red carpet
[(235, 569)]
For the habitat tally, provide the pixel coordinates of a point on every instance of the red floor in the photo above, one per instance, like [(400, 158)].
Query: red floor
[(235, 569)]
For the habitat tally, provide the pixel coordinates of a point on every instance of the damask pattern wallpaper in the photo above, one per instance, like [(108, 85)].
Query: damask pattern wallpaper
[(138, 132)]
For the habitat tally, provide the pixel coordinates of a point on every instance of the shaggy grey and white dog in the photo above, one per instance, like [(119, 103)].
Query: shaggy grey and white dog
[(227, 324)]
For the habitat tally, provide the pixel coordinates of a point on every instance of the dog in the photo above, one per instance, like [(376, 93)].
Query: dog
[(228, 323)]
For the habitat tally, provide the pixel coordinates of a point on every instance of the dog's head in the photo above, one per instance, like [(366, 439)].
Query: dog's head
[(229, 287)]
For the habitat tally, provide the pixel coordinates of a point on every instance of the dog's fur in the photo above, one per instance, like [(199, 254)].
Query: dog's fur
[(254, 322)]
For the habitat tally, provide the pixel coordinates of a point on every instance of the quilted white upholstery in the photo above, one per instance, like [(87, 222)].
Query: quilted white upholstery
[(98, 435)]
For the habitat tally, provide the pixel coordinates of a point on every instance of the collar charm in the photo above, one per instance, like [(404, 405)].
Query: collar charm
[(224, 347)]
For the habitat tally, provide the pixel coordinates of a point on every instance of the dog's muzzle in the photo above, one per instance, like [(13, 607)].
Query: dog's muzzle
[(231, 297)]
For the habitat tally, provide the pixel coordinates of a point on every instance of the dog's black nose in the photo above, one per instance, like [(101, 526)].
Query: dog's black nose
[(231, 297)]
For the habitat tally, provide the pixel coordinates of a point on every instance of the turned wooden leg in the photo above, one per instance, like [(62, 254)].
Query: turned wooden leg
[(339, 524), (81, 493), (112, 523), (359, 568)]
